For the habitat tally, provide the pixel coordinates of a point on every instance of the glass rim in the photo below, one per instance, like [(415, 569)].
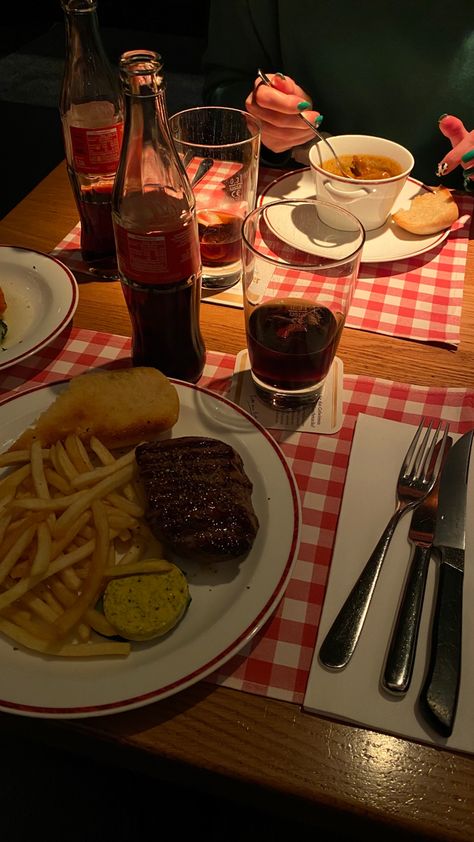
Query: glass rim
[(276, 261), (256, 133), (140, 62), (79, 7)]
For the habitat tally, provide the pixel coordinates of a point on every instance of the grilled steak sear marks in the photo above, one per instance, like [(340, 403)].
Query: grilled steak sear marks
[(199, 497)]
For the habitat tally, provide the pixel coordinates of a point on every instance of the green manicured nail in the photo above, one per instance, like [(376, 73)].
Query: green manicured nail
[(468, 156), (318, 120), (442, 117), (468, 184), (281, 75), (302, 106)]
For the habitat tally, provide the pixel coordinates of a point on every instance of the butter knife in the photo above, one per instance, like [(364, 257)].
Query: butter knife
[(401, 655), (439, 695)]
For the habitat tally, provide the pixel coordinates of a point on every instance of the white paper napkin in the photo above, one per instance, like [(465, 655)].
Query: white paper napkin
[(354, 693)]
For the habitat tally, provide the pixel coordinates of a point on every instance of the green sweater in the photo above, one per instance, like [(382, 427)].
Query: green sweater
[(381, 68)]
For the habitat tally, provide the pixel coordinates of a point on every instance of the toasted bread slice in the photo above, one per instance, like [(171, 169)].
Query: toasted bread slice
[(121, 408), (428, 213)]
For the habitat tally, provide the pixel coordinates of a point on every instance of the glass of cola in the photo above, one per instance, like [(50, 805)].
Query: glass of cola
[(300, 265)]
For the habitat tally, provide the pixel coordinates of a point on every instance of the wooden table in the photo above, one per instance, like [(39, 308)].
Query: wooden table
[(356, 782)]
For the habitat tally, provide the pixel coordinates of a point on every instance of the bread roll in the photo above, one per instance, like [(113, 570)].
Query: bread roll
[(428, 213), (121, 407)]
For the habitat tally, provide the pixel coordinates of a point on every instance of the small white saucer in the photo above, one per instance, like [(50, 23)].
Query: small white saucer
[(382, 245)]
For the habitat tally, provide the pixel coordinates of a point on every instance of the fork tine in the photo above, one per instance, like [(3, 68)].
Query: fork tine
[(439, 458), (425, 463), (421, 454), (429, 455), (409, 454)]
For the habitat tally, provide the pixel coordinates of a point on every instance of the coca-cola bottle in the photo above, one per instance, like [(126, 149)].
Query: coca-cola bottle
[(91, 108), (156, 235)]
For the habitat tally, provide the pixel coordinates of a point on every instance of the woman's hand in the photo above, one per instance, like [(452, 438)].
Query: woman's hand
[(462, 153), (277, 107)]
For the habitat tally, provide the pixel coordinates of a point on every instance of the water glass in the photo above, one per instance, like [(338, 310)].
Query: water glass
[(226, 142)]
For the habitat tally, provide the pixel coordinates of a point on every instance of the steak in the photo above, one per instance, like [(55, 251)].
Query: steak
[(199, 497)]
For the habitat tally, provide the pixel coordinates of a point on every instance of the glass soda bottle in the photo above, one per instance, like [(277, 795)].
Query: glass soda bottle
[(156, 234), (91, 108)]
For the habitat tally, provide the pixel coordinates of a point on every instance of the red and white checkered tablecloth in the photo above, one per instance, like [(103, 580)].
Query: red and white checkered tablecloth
[(221, 186), (417, 298), (277, 661)]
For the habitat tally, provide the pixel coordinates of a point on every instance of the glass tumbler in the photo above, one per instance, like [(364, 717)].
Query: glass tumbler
[(299, 274), (220, 149)]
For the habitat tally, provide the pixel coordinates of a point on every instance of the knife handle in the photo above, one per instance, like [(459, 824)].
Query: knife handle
[(401, 655), (439, 695)]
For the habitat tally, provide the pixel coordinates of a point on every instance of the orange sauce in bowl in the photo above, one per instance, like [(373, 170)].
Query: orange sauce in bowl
[(367, 167)]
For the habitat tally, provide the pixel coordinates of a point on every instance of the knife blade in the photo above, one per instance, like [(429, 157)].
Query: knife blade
[(401, 654), (439, 695)]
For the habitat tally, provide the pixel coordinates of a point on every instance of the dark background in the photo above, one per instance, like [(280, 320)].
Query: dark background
[(32, 49)]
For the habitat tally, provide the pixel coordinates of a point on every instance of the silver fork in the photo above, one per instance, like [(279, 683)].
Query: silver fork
[(416, 479)]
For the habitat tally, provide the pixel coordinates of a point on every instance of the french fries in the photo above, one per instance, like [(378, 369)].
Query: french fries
[(70, 520)]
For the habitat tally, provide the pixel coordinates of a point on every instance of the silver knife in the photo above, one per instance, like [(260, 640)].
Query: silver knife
[(439, 696), (401, 654)]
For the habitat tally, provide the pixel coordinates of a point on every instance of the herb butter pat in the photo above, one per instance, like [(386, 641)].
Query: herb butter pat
[(147, 605)]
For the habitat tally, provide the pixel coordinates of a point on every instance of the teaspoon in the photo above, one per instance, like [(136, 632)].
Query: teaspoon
[(266, 81), (202, 169)]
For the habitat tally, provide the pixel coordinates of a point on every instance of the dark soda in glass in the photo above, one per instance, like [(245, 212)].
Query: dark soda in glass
[(292, 342)]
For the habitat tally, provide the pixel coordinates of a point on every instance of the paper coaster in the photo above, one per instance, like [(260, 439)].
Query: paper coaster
[(326, 416)]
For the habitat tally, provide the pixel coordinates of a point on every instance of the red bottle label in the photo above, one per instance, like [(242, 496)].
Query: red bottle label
[(157, 258), (96, 151)]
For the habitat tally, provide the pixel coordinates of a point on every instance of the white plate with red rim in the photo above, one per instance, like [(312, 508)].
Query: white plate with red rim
[(230, 601), (41, 296), (387, 243)]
